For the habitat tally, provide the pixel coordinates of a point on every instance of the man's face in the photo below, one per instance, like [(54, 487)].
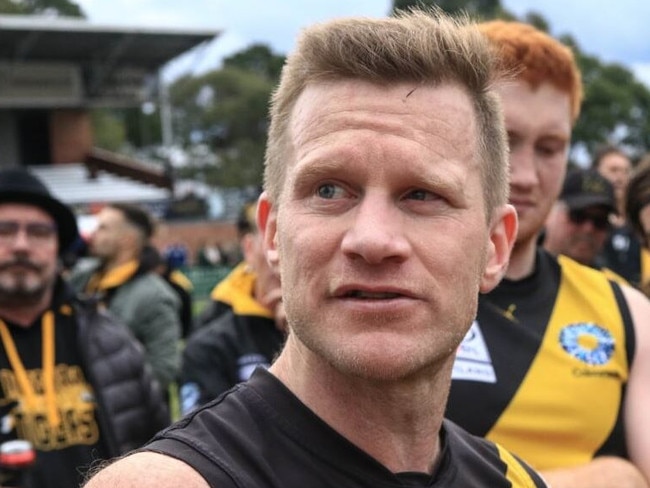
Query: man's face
[(380, 233), (618, 170), (538, 122), (578, 233), (106, 241), (267, 283), (28, 256)]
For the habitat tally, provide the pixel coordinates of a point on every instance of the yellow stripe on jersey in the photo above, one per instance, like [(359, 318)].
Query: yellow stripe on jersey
[(584, 364), (515, 472)]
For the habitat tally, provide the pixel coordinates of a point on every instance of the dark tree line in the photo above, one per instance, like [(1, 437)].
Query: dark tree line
[(616, 106)]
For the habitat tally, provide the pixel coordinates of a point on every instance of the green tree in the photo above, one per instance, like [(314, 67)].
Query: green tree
[(616, 106), (143, 128), (109, 129), (258, 59), (65, 8), (227, 109)]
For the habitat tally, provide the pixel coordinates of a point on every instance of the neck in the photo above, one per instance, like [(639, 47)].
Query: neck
[(24, 315), (117, 261), (619, 219), (522, 260), (396, 422)]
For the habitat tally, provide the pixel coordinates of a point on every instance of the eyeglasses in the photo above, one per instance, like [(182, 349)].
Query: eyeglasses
[(36, 232), (579, 217)]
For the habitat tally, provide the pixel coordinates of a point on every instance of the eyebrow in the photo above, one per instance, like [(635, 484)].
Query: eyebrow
[(322, 168)]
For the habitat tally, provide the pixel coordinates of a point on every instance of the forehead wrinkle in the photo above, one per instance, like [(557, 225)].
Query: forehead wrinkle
[(413, 114), (446, 137)]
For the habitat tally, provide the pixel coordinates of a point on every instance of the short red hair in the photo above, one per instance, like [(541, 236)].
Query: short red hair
[(535, 57)]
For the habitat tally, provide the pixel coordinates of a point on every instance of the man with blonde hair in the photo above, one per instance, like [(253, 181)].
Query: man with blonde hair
[(385, 215)]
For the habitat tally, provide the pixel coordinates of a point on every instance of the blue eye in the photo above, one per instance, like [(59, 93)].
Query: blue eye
[(418, 195), (422, 195), (328, 191)]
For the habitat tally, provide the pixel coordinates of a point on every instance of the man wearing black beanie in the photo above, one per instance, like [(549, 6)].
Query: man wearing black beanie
[(59, 355)]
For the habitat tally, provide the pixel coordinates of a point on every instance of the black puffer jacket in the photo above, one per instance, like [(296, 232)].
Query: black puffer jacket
[(131, 406)]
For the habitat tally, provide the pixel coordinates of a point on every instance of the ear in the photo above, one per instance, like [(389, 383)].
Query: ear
[(503, 233), (267, 225)]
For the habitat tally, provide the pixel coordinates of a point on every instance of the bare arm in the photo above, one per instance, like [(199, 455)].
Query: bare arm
[(613, 472), (147, 470), (602, 472), (637, 420)]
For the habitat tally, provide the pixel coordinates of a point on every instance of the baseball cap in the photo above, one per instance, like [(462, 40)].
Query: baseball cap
[(586, 188)]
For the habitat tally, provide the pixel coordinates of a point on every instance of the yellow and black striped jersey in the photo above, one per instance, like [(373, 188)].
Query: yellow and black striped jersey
[(543, 369)]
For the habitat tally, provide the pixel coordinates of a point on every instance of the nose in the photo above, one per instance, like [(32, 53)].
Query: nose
[(523, 171), (21, 240), (377, 231)]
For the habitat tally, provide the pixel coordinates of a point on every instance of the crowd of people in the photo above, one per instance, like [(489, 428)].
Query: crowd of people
[(429, 295)]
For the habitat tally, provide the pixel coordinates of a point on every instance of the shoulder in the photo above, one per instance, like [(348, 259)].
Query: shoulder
[(151, 285), (569, 266), (225, 324), (147, 470), (639, 306), (81, 273), (596, 281), (484, 460), (224, 339)]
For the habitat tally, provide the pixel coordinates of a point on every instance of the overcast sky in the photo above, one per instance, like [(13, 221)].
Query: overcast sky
[(615, 31)]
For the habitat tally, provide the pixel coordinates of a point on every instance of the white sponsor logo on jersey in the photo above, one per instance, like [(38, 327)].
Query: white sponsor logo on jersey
[(473, 360)]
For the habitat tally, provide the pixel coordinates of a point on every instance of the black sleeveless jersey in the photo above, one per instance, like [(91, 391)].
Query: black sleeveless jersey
[(260, 435)]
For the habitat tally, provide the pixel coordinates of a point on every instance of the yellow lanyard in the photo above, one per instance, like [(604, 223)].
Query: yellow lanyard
[(47, 323)]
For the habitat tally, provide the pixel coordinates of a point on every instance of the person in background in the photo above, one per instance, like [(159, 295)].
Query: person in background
[(243, 283), (136, 295), (622, 251), (579, 221), (637, 210), (209, 255), (176, 255), (385, 214), (612, 163), (556, 366), (73, 380), (248, 333), (151, 259)]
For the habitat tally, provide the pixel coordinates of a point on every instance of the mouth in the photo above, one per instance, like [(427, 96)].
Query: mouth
[(370, 295), (377, 292), (20, 267)]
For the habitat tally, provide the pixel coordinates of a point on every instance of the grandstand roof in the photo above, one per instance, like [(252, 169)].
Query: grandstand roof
[(36, 38), (110, 62), (71, 183)]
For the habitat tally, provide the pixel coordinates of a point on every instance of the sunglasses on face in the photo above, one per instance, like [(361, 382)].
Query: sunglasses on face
[(599, 221)]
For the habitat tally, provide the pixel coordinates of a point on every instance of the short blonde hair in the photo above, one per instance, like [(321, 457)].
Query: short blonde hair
[(418, 46)]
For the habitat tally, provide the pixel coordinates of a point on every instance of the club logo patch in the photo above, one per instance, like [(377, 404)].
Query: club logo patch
[(587, 342), (473, 360)]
